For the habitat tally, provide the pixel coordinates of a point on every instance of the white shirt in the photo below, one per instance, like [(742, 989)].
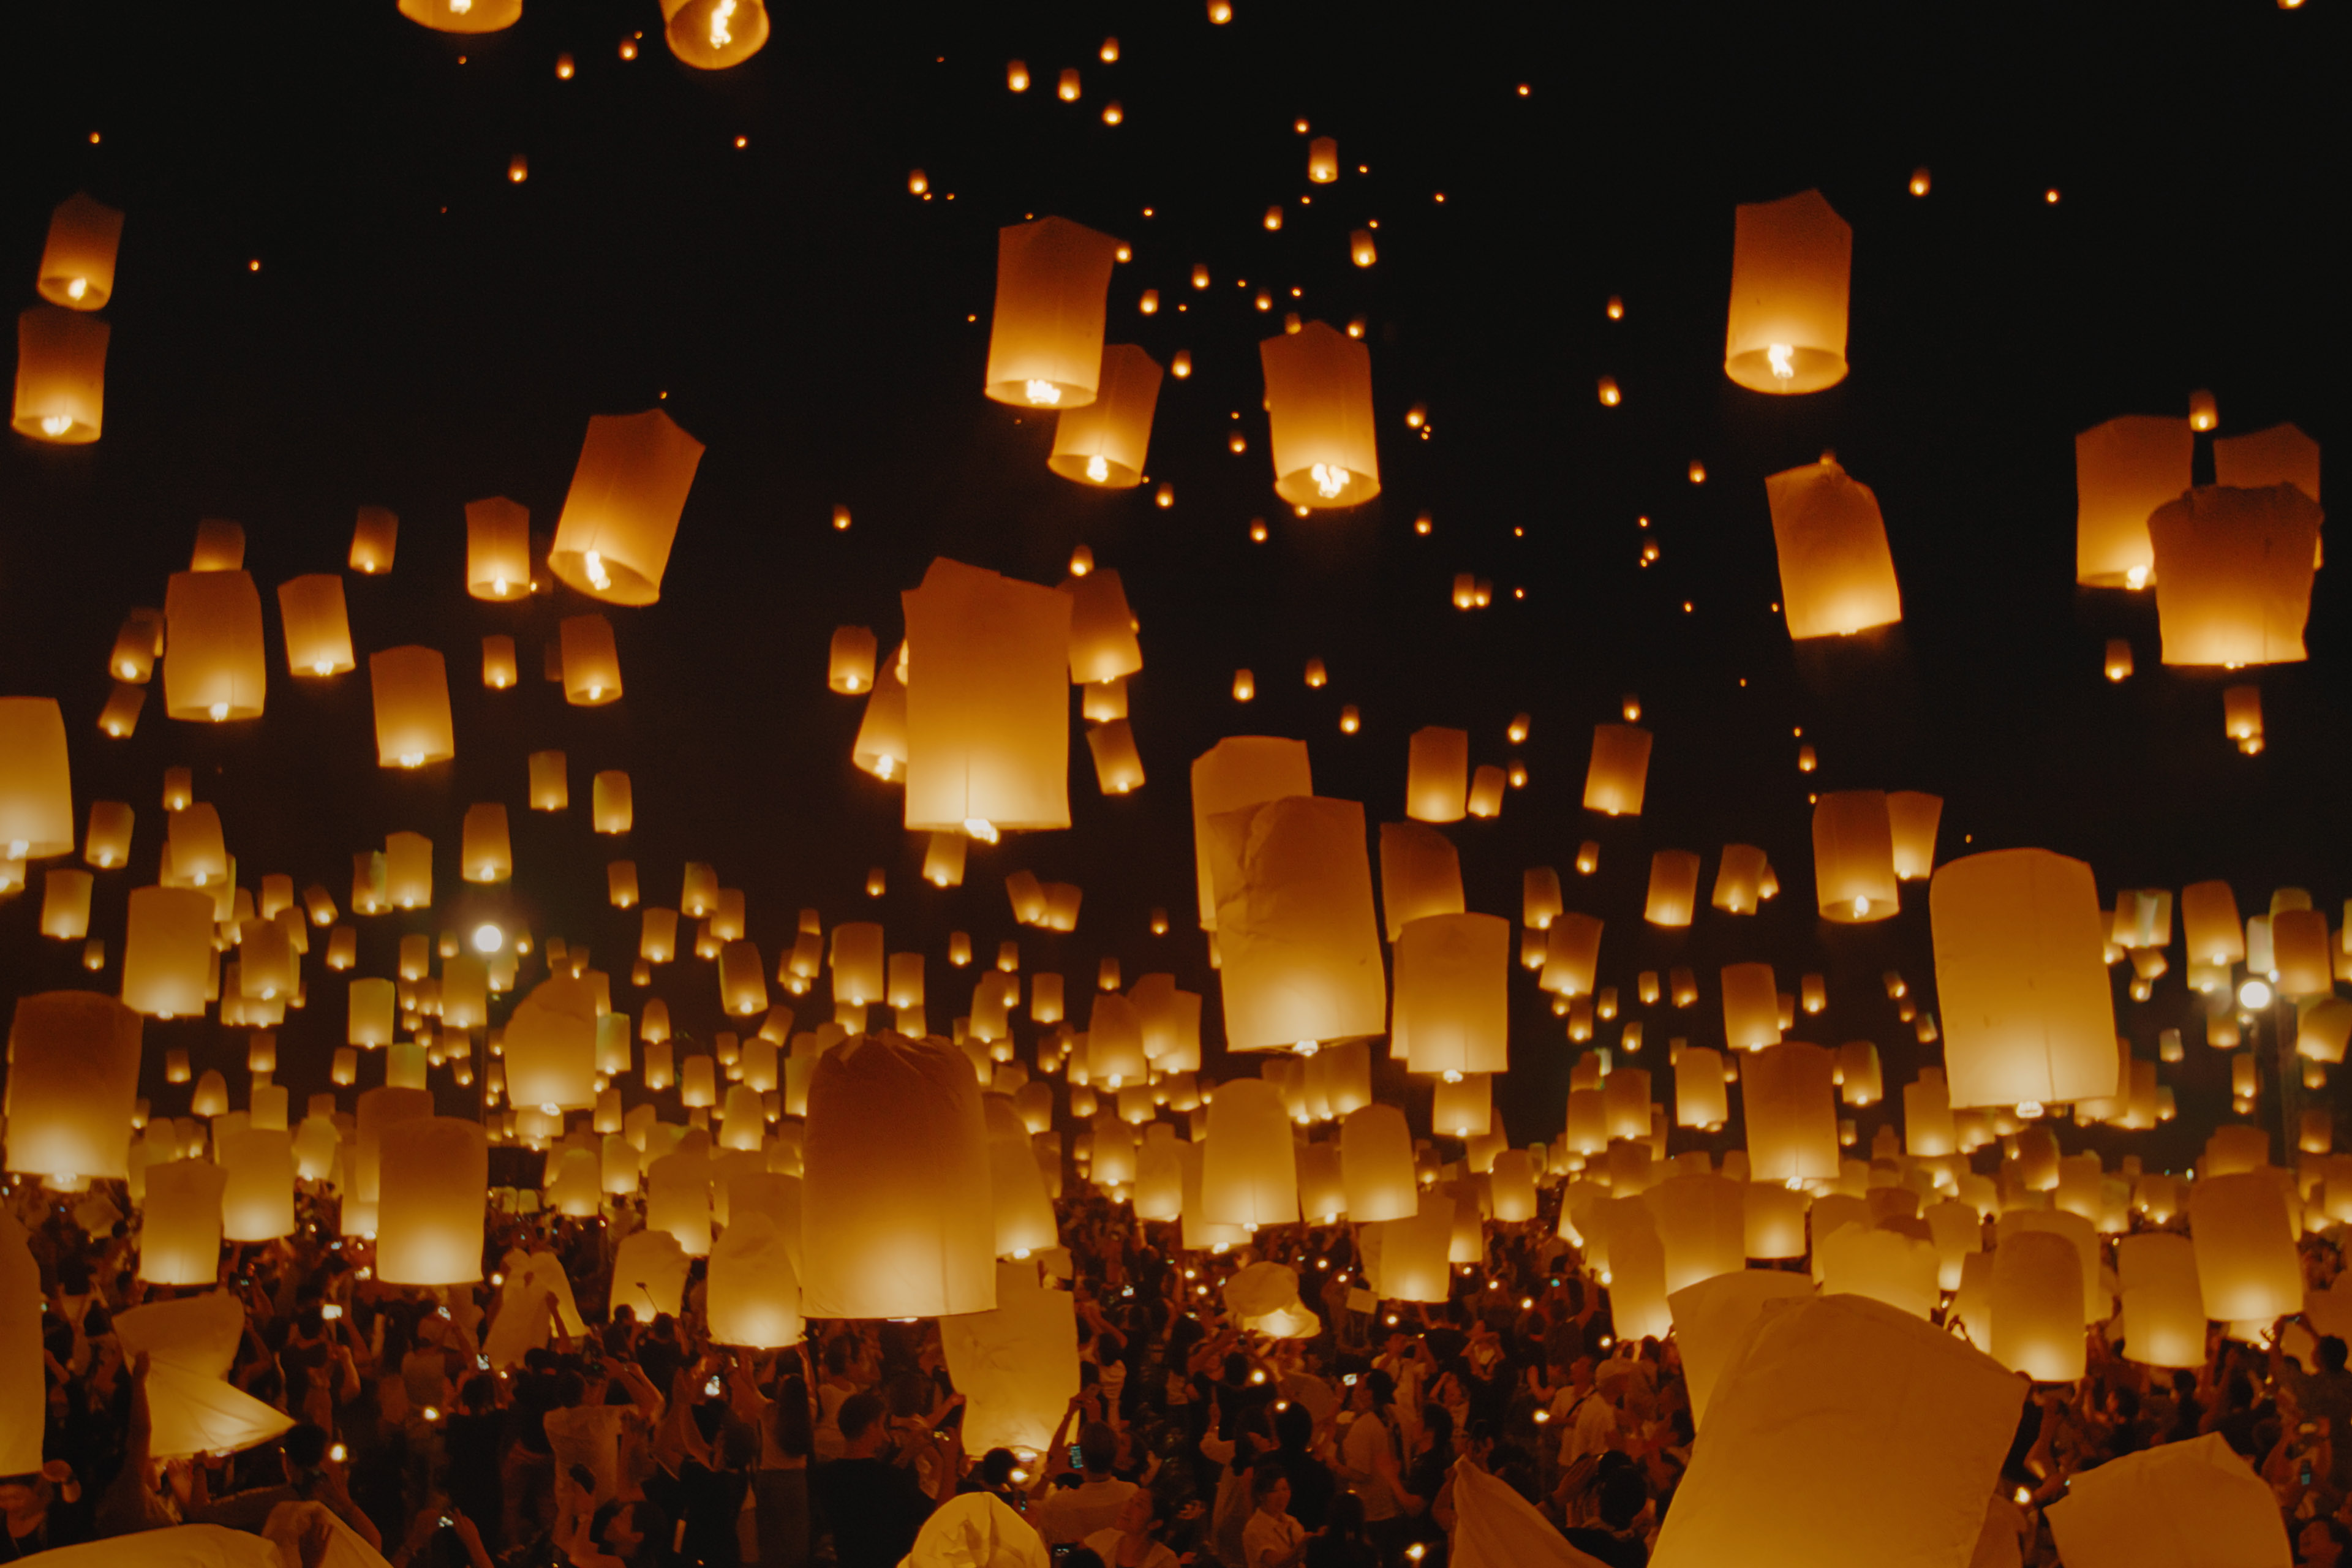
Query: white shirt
[(1103, 1544), (1589, 1421), (1268, 1538), (1069, 1514), (1360, 1451)]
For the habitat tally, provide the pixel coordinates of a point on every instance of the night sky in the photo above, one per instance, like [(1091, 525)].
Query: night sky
[(422, 331)]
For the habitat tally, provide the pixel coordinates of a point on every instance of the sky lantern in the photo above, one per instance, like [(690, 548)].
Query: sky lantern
[(1713, 1317), (215, 669), (1672, 896), (1118, 767), (375, 537), (77, 259), (36, 814), (180, 1240), (898, 1218), (60, 375), (1299, 948), (1620, 769), (2163, 1305), (1437, 775), (2020, 970), (1837, 576), (1240, 770), (257, 1198), (1103, 645), (2244, 1233), (1911, 820), (1791, 261), (1045, 333), (1452, 1008), (2281, 455), (73, 1081), (1788, 1103), (2125, 470), (1318, 401), (592, 661), (1016, 1364), (167, 951), (712, 34), (23, 1386), (497, 549), (849, 660), (1421, 875), (2233, 573), (413, 726), (1249, 1177), (1853, 856), (433, 1171), (2037, 1306), (1105, 442), (318, 628), (2209, 923), (620, 516), (987, 710), (463, 16)]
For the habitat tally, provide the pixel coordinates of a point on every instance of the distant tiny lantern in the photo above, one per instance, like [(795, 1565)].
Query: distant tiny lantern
[(1837, 576), (216, 670), (498, 670), (712, 34), (374, 537), (60, 375), (1323, 160), (1105, 442), (1790, 264), (1610, 396), (1318, 398), (2118, 665), (1617, 777), (318, 628), (77, 261), (620, 517), (1919, 181), (2242, 717), (411, 707), (1360, 248), (1045, 334)]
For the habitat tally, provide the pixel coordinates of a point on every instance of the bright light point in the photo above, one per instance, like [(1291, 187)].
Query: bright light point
[(488, 938), (1860, 907), (2254, 994), (1308, 1048), (77, 287), (2136, 578), (1781, 354), (1043, 394), (1097, 470), (56, 424), (1330, 478), (593, 563), (412, 759), (980, 827), (1451, 1075), (219, 710), (2029, 1108), (323, 667), (721, 34)]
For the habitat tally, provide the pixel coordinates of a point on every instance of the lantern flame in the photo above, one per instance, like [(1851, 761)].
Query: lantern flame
[(323, 667), (1781, 355), (459, 7), (980, 827), (77, 287), (219, 710), (721, 34), (1330, 478), (1043, 394), (56, 424), (1098, 470), (2029, 1108), (594, 562), (2136, 577), (1308, 1048)]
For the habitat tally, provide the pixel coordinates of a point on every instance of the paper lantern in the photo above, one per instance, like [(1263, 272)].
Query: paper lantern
[(1103, 646), (1017, 1364), (1298, 948), (1699, 1099), (411, 707), (2037, 1306), (2027, 1016), (1790, 1108), (1826, 1390), (1119, 768), (497, 549), (612, 803), (649, 1273), (180, 1232), (167, 951), (753, 1292), (2233, 573), (374, 537), (1791, 263), (899, 1219), (1406, 1260), (1713, 1318), (463, 16), (36, 815), (2125, 470), (1853, 856), (1701, 1223), (1620, 769), (849, 661), (1248, 1174), (408, 869), (551, 1047), (1571, 954), (620, 514), (880, 748), (1105, 441), (2281, 455), (2163, 1307), (1928, 1131), (2245, 1232), (1837, 576), (1911, 820), (78, 260), (1046, 336), (23, 1386), (106, 844), (1885, 1266), (591, 663), (215, 669), (484, 853), (1240, 770), (2178, 1506), (1375, 1164), (60, 375), (1453, 1011), (1464, 1107), (73, 1081), (2209, 923), (1776, 1220), (712, 34), (433, 1171), (258, 1194), (1437, 775), (987, 722), (1318, 403), (318, 628)]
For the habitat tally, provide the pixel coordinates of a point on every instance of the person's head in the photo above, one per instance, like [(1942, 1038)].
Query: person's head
[(995, 1468), (613, 1529), (1098, 1448), (1237, 1368), (1345, 1516), (24, 1495), (480, 1393), (862, 1428), (1294, 1426), (787, 1419), (1270, 1488), (2330, 1353), (1081, 1557), (840, 1356), (1437, 1426), (2122, 1403), (1140, 1514), (1621, 1497), (2238, 1392), (2184, 1385)]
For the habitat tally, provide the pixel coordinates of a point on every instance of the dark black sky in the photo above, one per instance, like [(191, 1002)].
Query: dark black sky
[(422, 332)]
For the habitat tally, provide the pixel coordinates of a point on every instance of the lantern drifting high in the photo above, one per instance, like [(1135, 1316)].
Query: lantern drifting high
[(1452, 1010), (497, 549), (167, 951), (1437, 775), (1837, 576), (620, 516), (712, 34), (2124, 471), (318, 628), (1238, 771), (432, 1172), (1318, 401), (2244, 1234), (1249, 1176), (73, 1081), (179, 1238), (2028, 1015), (987, 719), (37, 815), (592, 661), (412, 728), (2233, 573), (1045, 334), (60, 375), (463, 16), (217, 669), (1297, 944), (1104, 442), (1791, 262), (1789, 1102), (375, 536), (78, 260), (1618, 775), (1853, 856)]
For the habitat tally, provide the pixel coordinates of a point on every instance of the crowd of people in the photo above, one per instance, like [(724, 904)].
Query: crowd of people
[(1190, 1441)]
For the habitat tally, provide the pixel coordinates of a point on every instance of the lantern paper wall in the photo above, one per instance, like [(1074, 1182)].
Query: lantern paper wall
[(1405, 1258), (2125, 470), (1105, 441), (2245, 1232), (1375, 1164), (1103, 645), (36, 815), (374, 538), (1620, 769), (1240, 770), (215, 669), (1837, 576), (180, 1235), (1713, 1320), (899, 1218), (1853, 856), (73, 1081), (463, 16), (1827, 1390), (1776, 1220), (497, 549), (1318, 402), (712, 34), (258, 1196), (484, 851), (1911, 820), (1790, 264), (1249, 1175), (649, 1273), (551, 1047), (2178, 1506), (987, 720), (1024, 1216), (1751, 1007), (1437, 775), (1701, 1224), (1790, 1108), (1017, 1365), (1046, 336), (1672, 896), (2037, 1306), (1883, 1264), (411, 707), (2028, 1015), (620, 516), (24, 1384), (78, 263), (318, 628), (592, 661), (1452, 1009), (1298, 950), (1119, 767), (2234, 571), (167, 951), (2163, 1305), (1699, 1099), (432, 1172), (60, 375)]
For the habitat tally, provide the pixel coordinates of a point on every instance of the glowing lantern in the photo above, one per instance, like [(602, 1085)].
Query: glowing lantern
[(433, 1171), (65, 905), (216, 670), (2118, 665), (1699, 1098), (1674, 887), (2125, 470), (1614, 783), (2163, 1308), (591, 663), (167, 951), (485, 853), (1853, 856), (60, 375), (1249, 1176), (258, 1196), (620, 516), (1883, 1264), (742, 986), (1701, 1228), (1046, 336), (1775, 1217), (1571, 954), (1406, 1258), (2029, 1018), (1453, 1011), (611, 802), (551, 789), (2247, 1269), (1103, 647), (1119, 768), (35, 783), (317, 628), (1928, 1130), (463, 16), (1788, 1103), (2184, 1503), (2209, 923), (73, 1079), (374, 537), (2037, 1306), (497, 549), (1323, 160), (987, 722), (2233, 573), (78, 260), (1911, 820), (411, 707), (1318, 400), (1240, 770), (551, 1047), (1836, 575), (1421, 875), (1712, 1318), (1016, 1364), (1791, 261), (1437, 775), (408, 869), (2281, 455), (1298, 947), (1103, 441), (849, 663), (712, 34)]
